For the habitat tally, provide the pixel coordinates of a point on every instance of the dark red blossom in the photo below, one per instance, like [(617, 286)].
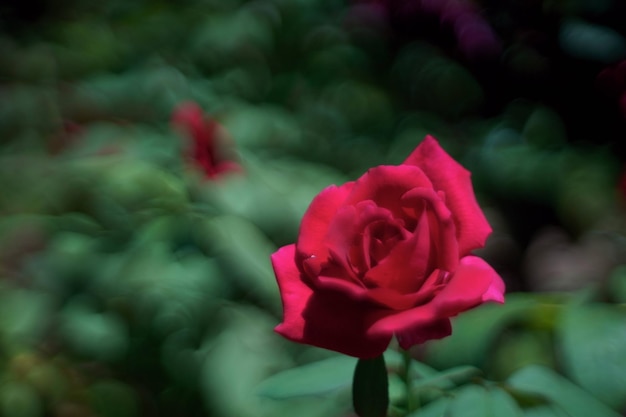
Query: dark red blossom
[(387, 255), (206, 143)]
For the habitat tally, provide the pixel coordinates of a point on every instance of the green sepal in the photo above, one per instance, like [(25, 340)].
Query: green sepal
[(370, 388)]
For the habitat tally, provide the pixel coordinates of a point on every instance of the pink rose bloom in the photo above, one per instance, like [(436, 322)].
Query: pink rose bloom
[(388, 254)]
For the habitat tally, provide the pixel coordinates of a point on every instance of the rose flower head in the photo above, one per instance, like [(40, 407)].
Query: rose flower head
[(388, 254), (206, 140)]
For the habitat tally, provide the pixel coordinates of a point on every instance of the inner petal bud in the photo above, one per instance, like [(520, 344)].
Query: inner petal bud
[(379, 238)]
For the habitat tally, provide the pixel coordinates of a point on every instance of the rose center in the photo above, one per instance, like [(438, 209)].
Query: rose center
[(378, 239)]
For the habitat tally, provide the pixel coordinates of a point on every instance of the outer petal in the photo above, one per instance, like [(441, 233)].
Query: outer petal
[(495, 292), (450, 177), (316, 220), (473, 283), (407, 322), (436, 329), (294, 293), (327, 319), (386, 184)]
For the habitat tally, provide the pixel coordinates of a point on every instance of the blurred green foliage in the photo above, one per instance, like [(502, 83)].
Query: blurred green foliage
[(130, 285)]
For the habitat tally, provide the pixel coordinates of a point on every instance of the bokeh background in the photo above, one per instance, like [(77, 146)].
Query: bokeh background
[(133, 283)]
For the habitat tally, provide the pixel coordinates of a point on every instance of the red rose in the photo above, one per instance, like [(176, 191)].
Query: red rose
[(206, 140), (387, 254)]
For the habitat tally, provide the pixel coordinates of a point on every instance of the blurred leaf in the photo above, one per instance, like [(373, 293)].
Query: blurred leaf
[(182, 356), (594, 42), (364, 106), (243, 356), (18, 399), (520, 348), (228, 37), (436, 408), (436, 83), (475, 331), (67, 262), (572, 399), (49, 381), (136, 184), (166, 291), (397, 389), (617, 284), (448, 378), (544, 129), (99, 336), (470, 401), (545, 411), (592, 339), (111, 398), (370, 388), (262, 127), (24, 317), (502, 404), (78, 223), (246, 252), (311, 379)]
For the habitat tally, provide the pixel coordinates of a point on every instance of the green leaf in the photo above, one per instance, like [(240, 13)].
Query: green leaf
[(448, 378), (593, 344), (617, 284), (370, 388), (437, 408), (545, 411), (245, 251), (244, 355), (430, 387), (24, 315), (475, 331), (111, 398), (571, 398), (591, 42), (311, 379), (544, 129), (18, 399), (520, 348), (502, 404), (470, 401), (101, 336)]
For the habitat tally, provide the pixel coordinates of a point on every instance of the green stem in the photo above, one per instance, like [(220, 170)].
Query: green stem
[(412, 401)]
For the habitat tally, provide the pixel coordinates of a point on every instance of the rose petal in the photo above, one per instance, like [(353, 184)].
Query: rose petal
[(344, 231), (495, 292), (405, 321), (327, 319), (437, 329), (450, 177), (473, 282), (380, 297), (386, 184), (443, 235), (338, 323), (294, 293), (406, 266), (315, 222)]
